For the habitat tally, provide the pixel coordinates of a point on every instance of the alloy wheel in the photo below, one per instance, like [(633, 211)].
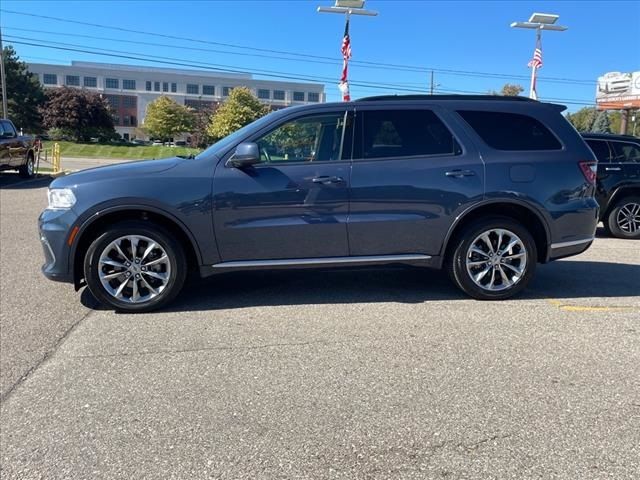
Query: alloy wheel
[(628, 218), (496, 260), (134, 269)]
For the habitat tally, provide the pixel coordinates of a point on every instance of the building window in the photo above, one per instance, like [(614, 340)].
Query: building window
[(200, 104), (298, 96), (91, 82), (126, 121), (193, 89), (50, 79), (174, 88), (129, 102), (116, 119), (111, 83), (278, 94), (165, 86), (156, 86), (73, 80), (113, 101), (128, 84), (264, 93), (226, 91), (208, 90), (148, 86), (313, 97)]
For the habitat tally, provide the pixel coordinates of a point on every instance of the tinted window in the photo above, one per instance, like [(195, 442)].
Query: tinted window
[(600, 149), (73, 80), (8, 128), (625, 152), (193, 89), (111, 83), (403, 133), (50, 79), (298, 96), (263, 93), (90, 82), (129, 84), (510, 131), (316, 138)]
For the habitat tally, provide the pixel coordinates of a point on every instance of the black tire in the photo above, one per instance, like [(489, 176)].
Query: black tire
[(456, 263), (176, 261), (615, 219), (28, 170)]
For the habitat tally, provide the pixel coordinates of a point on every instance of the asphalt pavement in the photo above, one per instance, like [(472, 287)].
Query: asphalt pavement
[(386, 373)]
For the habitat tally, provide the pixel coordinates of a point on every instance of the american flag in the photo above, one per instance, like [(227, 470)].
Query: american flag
[(536, 61), (345, 49)]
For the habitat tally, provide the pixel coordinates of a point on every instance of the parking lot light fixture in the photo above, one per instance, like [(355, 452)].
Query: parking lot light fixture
[(538, 22), (347, 8)]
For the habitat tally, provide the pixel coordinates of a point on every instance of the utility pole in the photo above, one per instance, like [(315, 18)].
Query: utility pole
[(431, 89), (3, 80)]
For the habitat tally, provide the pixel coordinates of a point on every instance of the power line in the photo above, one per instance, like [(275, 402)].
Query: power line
[(304, 56), (231, 69)]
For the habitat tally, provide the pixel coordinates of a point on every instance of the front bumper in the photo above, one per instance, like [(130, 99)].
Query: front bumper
[(54, 227)]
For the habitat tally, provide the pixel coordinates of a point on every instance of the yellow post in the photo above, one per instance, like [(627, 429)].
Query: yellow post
[(56, 158)]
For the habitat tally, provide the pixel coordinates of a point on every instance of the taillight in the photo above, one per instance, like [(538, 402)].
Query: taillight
[(589, 170)]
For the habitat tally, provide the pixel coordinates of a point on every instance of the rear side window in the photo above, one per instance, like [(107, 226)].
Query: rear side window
[(510, 131), (624, 152), (600, 149), (402, 133)]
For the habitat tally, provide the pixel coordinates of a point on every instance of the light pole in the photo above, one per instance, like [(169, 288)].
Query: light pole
[(538, 22), (3, 81), (347, 8)]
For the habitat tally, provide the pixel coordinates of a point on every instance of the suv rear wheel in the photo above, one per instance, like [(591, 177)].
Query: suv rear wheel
[(624, 219), (135, 267), (493, 258)]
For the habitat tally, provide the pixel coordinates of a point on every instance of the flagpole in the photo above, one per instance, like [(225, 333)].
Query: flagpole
[(534, 67), (347, 8)]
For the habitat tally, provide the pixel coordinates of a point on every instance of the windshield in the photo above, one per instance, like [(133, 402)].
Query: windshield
[(221, 145)]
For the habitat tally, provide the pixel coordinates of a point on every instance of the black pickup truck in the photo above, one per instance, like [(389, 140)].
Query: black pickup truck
[(618, 185), (16, 151)]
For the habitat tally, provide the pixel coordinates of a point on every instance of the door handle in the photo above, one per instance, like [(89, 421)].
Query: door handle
[(612, 169), (325, 180), (460, 173)]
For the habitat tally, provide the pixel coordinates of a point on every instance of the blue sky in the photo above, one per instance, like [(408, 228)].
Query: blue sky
[(463, 36)]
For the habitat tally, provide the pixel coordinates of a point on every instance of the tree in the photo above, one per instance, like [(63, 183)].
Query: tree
[(240, 109), (166, 119), (601, 124), (583, 119), (79, 114), (509, 90), (25, 95)]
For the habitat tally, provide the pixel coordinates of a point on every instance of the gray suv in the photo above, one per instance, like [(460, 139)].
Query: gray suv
[(484, 187)]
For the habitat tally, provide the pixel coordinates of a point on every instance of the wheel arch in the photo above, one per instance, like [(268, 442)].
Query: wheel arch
[(100, 220), (518, 211), (620, 192)]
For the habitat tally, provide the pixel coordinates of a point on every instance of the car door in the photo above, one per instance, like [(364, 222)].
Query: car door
[(294, 204), (627, 156), (410, 179)]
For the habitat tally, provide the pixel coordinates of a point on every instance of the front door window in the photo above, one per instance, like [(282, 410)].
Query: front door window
[(317, 138)]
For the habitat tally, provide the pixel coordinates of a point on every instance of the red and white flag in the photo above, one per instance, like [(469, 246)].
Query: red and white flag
[(345, 49), (535, 63)]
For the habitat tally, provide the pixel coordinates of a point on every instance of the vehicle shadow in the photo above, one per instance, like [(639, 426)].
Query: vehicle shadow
[(13, 181), (557, 280)]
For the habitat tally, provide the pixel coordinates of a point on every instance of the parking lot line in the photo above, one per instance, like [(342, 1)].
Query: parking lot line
[(588, 308)]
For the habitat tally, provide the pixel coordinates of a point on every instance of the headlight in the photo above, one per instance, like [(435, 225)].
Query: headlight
[(61, 198)]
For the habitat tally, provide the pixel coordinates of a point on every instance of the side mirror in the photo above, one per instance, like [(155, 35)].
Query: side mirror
[(246, 154)]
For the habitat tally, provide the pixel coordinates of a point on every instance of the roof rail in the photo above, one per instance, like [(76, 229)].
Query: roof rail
[(444, 97)]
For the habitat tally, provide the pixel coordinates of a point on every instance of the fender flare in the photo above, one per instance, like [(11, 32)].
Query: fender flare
[(495, 201)]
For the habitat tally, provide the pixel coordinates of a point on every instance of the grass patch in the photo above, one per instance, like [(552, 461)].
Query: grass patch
[(97, 150)]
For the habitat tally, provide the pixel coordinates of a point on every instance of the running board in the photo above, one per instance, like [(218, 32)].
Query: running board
[(322, 261)]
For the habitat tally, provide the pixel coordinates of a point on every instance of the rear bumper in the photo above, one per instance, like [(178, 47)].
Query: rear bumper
[(567, 249)]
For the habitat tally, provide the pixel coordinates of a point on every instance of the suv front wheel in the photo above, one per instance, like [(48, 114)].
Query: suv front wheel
[(624, 219), (135, 267), (493, 259)]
